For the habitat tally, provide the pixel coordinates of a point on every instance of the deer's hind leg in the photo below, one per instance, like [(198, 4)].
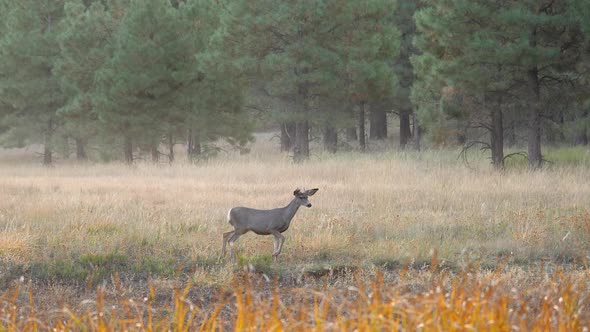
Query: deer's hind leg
[(226, 237), (232, 241)]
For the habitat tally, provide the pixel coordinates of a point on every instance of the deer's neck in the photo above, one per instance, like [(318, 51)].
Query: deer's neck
[(290, 211)]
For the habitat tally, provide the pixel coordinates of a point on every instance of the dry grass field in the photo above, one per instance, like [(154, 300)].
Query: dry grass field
[(393, 241)]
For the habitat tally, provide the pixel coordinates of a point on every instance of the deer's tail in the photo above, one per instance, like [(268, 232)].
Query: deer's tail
[(229, 216)]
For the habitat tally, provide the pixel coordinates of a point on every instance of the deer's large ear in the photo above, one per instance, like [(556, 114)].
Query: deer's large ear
[(311, 192), (296, 192)]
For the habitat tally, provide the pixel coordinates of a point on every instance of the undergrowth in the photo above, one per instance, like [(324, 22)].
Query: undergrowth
[(446, 302)]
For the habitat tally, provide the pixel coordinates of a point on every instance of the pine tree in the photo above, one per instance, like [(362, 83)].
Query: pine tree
[(459, 67), (404, 19), (310, 54), (543, 44), (28, 86), (284, 38), (368, 45), (216, 109), (483, 63), (141, 88), (85, 41), (580, 11)]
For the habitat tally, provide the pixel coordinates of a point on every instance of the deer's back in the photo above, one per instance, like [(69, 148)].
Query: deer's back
[(259, 221)]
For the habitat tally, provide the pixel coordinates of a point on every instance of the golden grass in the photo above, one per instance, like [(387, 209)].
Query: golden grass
[(15, 246), (71, 228), (469, 301), (368, 207)]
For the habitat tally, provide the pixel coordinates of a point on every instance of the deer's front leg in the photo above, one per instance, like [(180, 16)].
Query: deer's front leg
[(275, 242), (278, 244)]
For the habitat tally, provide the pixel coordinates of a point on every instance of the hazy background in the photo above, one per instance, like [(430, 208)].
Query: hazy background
[(448, 140), (112, 80)]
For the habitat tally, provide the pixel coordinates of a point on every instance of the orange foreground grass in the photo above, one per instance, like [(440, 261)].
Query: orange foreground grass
[(460, 303)]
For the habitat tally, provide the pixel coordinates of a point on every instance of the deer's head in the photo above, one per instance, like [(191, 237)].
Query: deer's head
[(301, 196)]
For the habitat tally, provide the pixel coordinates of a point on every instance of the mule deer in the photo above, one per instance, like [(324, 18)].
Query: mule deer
[(264, 222)]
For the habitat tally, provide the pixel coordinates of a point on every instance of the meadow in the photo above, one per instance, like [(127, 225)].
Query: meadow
[(394, 240)]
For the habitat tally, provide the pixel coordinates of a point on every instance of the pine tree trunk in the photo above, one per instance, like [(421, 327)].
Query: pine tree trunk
[(580, 136), (361, 125), (194, 145), (155, 153), (128, 149), (171, 148), (497, 138), (405, 132), (47, 155), (288, 134), (534, 114), (534, 122), (534, 138), (47, 148), (330, 139), (197, 149), (189, 143), (378, 124), (301, 149), (562, 137), (417, 132), (351, 134), (80, 149)]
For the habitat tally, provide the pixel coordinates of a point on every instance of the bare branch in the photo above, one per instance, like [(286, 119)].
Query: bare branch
[(510, 155)]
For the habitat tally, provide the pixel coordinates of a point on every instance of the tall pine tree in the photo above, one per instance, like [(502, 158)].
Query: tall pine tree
[(368, 43), (404, 19), (310, 54), (86, 42), (28, 85), (216, 103), (141, 86)]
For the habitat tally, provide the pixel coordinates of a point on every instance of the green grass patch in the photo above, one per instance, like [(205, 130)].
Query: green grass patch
[(66, 271), (259, 264), (568, 156), (92, 269), (554, 156), (150, 265)]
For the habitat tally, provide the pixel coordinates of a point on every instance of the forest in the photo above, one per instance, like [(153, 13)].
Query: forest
[(128, 80), (424, 163)]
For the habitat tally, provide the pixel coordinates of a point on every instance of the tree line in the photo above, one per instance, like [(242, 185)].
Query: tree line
[(130, 78)]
